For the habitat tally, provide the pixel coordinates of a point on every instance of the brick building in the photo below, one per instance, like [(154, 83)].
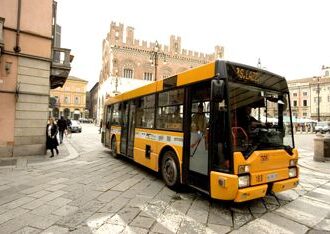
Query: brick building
[(125, 57)]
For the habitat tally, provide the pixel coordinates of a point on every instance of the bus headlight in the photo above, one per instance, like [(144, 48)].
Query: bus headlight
[(243, 169), (243, 181), (293, 163), (292, 172)]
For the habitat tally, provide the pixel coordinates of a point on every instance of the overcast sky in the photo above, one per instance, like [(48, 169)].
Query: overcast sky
[(291, 37)]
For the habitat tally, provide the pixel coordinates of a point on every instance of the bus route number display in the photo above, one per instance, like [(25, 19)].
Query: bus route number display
[(246, 75)]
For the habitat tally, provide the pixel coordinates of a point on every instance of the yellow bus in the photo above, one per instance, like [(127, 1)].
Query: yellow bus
[(223, 128)]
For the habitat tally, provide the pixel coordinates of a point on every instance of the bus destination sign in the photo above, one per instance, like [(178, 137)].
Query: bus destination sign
[(246, 75)]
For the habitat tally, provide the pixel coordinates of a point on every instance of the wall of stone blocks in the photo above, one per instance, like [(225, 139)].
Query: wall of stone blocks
[(31, 107)]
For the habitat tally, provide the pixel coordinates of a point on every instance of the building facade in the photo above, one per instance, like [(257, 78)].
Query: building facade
[(93, 96), (27, 72), (310, 97), (127, 60), (70, 99)]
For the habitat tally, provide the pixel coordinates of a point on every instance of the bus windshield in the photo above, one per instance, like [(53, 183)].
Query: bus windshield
[(258, 119)]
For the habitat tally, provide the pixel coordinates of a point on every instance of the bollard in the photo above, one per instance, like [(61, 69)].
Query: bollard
[(327, 147), (319, 148)]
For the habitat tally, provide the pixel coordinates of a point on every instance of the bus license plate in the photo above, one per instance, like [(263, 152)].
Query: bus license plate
[(271, 177)]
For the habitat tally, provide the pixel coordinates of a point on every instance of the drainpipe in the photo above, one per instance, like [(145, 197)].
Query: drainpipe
[(17, 48)]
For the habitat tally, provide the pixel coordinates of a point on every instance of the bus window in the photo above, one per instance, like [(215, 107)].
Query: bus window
[(257, 119), (115, 115), (145, 113), (170, 110), (108, 116), (170, 117)]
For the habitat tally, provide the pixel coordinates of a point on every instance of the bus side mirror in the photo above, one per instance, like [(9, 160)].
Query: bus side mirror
[(217, 90)]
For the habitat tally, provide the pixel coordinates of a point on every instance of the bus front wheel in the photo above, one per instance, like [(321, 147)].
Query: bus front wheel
[(170, 170)]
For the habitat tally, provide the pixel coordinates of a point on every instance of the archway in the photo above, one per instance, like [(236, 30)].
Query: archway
[(76, 114)]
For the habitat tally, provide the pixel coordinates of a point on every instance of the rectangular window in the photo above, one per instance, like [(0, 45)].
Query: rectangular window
[(147, 76), (76, 101), (304, 102), (108, 116), (294, 103), (170, 110), (115, 115), (172, 97), (128, 73), (304, 114), (295, 94), (145, 112), (304, 93), (66, 100)]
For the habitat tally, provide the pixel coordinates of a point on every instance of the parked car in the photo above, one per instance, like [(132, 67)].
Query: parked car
[(75, 126), (323, 127), (84, 120)]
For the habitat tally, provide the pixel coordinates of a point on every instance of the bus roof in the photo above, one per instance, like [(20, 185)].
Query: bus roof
[(238, 72)]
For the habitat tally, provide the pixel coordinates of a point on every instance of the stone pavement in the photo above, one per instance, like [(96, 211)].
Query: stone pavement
[(87, 191)]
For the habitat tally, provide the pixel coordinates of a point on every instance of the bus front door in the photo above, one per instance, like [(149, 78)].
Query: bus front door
[(198, 112)]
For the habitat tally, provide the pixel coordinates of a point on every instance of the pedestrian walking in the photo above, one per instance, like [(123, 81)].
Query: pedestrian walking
[(51, 140), (62, 126)]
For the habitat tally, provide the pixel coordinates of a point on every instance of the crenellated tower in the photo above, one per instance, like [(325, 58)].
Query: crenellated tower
[(116, 33)]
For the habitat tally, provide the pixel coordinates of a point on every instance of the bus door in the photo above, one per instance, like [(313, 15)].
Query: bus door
[(198, 113), (131, 129), (107, 120), (127, 128), (124, 128)]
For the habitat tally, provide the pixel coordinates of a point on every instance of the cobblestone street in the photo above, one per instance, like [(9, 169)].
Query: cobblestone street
[(87, 191)]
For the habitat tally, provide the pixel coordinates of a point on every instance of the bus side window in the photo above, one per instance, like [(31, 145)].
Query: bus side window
[(145, 112)]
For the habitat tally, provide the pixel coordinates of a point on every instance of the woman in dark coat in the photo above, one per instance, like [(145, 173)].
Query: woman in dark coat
[(51, 132)]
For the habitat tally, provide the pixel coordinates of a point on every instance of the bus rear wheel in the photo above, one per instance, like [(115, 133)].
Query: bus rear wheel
[(114, 148), (170, 170)]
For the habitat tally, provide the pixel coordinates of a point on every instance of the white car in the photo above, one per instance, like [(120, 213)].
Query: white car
[(323, 127), (75, 126)]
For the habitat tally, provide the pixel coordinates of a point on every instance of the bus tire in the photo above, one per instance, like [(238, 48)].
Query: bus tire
[(170, 170), (114, 148)]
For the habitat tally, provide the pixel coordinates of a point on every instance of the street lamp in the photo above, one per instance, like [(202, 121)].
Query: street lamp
[(155, 54), (116, 83)]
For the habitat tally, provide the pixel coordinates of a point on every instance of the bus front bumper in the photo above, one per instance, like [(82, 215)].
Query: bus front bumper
[(251, 193), (225, 187), (285, 185)]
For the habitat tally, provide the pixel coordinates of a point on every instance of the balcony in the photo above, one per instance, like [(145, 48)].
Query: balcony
[(60, 67), (2, 45)]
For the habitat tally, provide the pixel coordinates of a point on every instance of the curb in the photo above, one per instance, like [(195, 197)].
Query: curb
[(22, 162), (306, 165)]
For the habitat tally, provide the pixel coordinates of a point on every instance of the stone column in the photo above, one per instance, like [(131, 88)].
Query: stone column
[(319, 148)]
